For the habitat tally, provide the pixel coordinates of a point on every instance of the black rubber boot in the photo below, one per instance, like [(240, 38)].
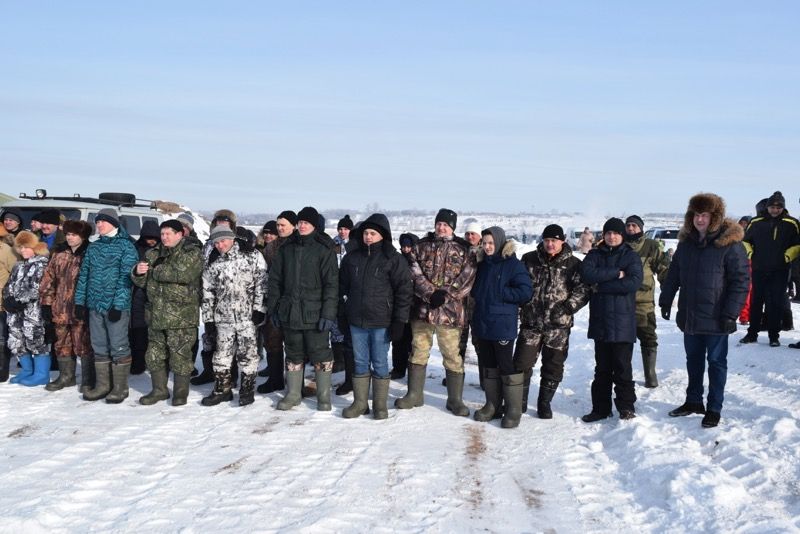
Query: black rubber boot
[(360, 404), (494, 396), (119, 373), (526, 388), (207, 376), (158, 377), (66, 377), (102, 369), (455, 389), (547, 388), (275, 367), (222, 389), (512, 394), (180, 390), (649, 366), (414, 397), (349, 369), (247, 389)]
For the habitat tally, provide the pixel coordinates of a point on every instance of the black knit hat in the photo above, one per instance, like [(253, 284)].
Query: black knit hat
[(175, 224), (10, 213), (553, 231), (614, 225), (635, 219), (289, 215), (271, 227), (309, 214), (447, 216), (345, 222), (49, 217), (777, 200)]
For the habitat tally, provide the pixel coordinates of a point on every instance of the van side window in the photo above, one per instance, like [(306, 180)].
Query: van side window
[(152, 219), (131, 223)]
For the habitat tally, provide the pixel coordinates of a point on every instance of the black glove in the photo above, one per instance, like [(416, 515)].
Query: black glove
[(437, 298), (396, 331), (665, 312), (210, 329), (559, 310), (10, 304), (276, 321), (114, 315), (728, 325), (80, 312), (47, 314), (258, 317), (325, 325)]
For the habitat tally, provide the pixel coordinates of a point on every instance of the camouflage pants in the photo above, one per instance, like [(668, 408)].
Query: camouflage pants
[(236, 341), (447, 338), (72, 340), (171, 349), (646, 329), (553, 345), (300, 344), (25, 336)]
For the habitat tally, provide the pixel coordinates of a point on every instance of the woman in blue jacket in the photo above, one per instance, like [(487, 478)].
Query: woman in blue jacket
[(501, 286)]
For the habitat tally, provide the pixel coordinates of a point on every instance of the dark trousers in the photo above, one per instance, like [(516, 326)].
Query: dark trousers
[(139, 341), (401, 350), (498, 355), (612, 366), (769, 294)]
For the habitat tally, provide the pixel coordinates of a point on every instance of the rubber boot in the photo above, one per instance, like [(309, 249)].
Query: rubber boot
[(87, 373), (323, 375), (294, 386), (247, 389), (4, 361), (66, 377), (526, 388), (160, 391), (207, 376), (493, 392), (649, 366), (512, 393), (26, 363), (349, 370), (102, 369), (414, 397), (360, 404), (455, 389), (275, 367), (120, 370), (180, 389), (222, 389), (547, 388), (380, 396), (41, 371)]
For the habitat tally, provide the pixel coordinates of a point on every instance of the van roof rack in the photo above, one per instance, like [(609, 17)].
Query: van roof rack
[(121, 200)]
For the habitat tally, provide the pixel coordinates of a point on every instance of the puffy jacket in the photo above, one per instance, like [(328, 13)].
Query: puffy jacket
[(446, 264), (773, 241), (654, 264), (172, 285), (612, 306), (501, 285), (556, 279), (105, 281), (57, 289), (374, 281), (234, 284), (25, 327), (304, 282), (712, 276)]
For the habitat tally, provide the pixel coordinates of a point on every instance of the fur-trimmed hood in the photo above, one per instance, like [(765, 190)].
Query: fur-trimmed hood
[(728, 233), (509, 249)]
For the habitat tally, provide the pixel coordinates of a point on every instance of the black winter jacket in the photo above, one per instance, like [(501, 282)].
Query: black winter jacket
[(774, 241)]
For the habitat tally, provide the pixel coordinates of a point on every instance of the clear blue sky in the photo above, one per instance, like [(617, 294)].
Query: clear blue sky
[(262, 106)]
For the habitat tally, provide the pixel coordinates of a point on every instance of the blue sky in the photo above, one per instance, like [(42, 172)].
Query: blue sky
[(600, 107)]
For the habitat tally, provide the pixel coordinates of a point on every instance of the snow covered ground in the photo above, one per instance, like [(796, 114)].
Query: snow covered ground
[(75, 466)]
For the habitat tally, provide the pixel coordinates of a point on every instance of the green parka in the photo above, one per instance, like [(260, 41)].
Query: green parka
[(655, 264)]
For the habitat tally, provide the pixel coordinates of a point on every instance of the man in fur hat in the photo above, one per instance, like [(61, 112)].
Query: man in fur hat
[(709, 268)]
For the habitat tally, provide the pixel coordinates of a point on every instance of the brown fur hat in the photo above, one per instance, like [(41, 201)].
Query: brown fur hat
[(81, 228), (706, 203), (26, 239), (224, 214)]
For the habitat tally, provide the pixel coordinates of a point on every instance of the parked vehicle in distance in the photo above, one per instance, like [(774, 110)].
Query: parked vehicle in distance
[(668, 237)]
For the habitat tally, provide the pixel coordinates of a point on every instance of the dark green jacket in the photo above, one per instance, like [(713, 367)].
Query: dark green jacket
[(655, 264)]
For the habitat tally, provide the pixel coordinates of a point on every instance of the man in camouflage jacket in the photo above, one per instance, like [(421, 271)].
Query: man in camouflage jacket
[(443, 271), (170, 275)]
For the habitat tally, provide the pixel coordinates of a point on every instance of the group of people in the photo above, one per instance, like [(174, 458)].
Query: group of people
[(345, 302)]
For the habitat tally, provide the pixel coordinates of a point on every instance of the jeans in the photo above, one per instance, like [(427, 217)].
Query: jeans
[(371, 346), (698, 349)]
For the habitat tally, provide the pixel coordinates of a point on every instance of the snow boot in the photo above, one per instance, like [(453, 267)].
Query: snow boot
[(41, 371), (222, 389), (26, 363), (749, 338), (87, 373), (710, 420), (494, 396), (360, 404), (207, 375), (526, 388), (414, 397), (180, 389), (688, 408), (323, 379), (593, 416), (275, 366), (247, 389), (294, 386), (649, 366), (102, 369), (120, 370), (349, 370), (512, 394), (380, 395), (547, 389), (160, 391), (455, 389), (66, 377)]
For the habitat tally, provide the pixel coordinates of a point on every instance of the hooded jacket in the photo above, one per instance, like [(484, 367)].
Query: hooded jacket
[(57, 289)]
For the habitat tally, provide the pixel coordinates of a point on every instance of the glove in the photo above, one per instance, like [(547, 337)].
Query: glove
[(47, 314), (80, 312), (559, 310), (437, 298), (114, 315), (13, 305), (396, 331), (210, 328), (276, 321), (665, 313), (258, 317), (325, 325), (728, 325)]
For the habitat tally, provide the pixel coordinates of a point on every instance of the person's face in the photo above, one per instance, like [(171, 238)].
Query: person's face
[(73, 240), (552, 246), (743, 223), (405, 249), (371, 236), (223, 245), (10, 224), (473, 238), (612, 239), (48, 229), (103, 227), (285, 228), (305, 227), (701, 221), (344, 233), (35, 225), (442, 229), (269, 238), (26, 252), (488, 244), (170, 237), (775, 210), (632, 228)]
